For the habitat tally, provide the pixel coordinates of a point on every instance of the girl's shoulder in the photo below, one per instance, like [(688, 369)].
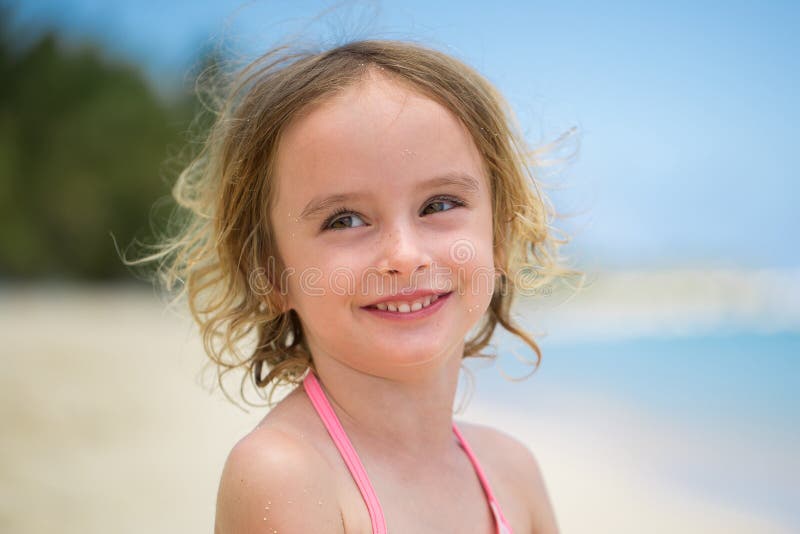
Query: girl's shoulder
[(502, 453), (514, 474), (275, 479)]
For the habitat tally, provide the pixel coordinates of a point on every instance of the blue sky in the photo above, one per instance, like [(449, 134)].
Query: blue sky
[(688, 113)]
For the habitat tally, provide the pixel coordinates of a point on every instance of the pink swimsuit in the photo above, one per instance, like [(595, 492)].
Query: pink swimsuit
[(328, 416)]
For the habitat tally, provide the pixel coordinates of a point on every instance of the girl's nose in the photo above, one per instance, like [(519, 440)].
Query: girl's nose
[(403, 252)]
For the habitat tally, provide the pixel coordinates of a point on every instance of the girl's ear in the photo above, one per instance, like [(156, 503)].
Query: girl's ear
[(283, 302), (499, 266), (500, 258), (277, 283)]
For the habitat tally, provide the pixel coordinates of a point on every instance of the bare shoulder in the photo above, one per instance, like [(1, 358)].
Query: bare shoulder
[(274, 481), (517, 465)]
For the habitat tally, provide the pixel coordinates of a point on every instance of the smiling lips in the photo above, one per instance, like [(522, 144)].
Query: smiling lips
[(423, 300), (405, 307)]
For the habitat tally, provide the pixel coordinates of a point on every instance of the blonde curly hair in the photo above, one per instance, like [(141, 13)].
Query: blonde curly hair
[(221, 233)]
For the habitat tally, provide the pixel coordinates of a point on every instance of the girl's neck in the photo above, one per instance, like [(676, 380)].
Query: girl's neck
[(407, 421)]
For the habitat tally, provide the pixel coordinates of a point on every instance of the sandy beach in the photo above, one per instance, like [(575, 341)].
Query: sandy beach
[(109, 427)]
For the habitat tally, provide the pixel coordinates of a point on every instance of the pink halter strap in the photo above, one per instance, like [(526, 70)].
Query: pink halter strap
[(328, 416), (333, 425)]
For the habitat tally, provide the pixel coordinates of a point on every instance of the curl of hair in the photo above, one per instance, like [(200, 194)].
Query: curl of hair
[(219, 254)]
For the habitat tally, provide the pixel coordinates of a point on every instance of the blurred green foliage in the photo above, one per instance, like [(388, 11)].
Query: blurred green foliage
[(87, 156)]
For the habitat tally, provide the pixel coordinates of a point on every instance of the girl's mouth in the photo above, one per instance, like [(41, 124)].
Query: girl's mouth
[(402, 314)]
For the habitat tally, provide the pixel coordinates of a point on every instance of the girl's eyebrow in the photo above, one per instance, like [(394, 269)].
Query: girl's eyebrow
[(459, 180)]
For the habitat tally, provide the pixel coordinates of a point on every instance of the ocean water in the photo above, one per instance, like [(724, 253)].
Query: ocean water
[(754, 377), (715, 416)]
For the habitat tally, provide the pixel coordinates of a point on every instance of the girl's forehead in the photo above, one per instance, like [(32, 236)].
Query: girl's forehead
[(376, 133), (374, 105)]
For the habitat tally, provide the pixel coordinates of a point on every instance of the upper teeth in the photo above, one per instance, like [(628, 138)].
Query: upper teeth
[(405, 307)]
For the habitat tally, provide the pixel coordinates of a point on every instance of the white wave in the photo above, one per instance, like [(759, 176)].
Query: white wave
[(620, 305)]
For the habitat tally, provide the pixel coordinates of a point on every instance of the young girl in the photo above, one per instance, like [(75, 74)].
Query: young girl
[(359, 211)]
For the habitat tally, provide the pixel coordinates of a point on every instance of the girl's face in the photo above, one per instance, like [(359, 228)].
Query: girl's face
[(381, 190)]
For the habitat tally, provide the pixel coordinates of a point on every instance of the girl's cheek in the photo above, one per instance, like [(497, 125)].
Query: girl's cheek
[(481, 277)]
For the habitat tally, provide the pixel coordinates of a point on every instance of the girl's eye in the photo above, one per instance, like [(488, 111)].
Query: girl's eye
[(335, 218), (444, 201), (349, 214)]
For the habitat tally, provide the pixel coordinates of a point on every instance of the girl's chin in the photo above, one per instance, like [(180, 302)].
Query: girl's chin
[(415, 352)]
